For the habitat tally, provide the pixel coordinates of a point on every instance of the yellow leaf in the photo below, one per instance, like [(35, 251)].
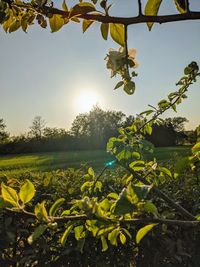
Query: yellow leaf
[(86, 24), (151, 9), (27, 192), (117, 33), (9, 195), (41, 212), (66, 234), (104, 30), (56, 22), (143, 231)]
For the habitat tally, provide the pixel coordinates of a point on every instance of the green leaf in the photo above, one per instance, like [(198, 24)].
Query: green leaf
[(129, 88), (56, 22), (9, 195), (8, 23), (112, 237), (136, 155), (196, 148), (148, 129), (147, 112), (91, 172), (37, 233), (124, 155), (117, 33), (150, 207), (127, 232), (66, 234), (113, 195), (143, 231), (119, 84), (137, 165), (181, 165), (41, 212), (78, 231), (14, 26), (123, 204), (151, 9), (64, 6), (86, 186), (27, 192), (86, 24), (104, 30), (104, 243), (165, 171), (105, 204), (181, 5), (98, 185), (122, 238), (141, 190), (81, 9), (56, 206)]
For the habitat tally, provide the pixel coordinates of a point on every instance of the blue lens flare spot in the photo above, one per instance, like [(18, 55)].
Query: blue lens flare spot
[(110, 163)]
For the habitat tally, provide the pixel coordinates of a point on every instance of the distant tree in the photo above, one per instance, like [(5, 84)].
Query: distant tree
[(178, 123), (80, 126), (162, 135), (52, 133), (170, 132), (3, 134), (37, 128), (191, 137), (97, 125)]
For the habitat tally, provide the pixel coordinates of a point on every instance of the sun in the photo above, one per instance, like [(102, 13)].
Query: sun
[(85, 100)]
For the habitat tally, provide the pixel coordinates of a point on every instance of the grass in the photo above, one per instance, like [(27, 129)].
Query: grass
[(17, 164)]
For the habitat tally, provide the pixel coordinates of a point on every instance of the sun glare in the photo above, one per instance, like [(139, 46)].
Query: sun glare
[(86, 100)]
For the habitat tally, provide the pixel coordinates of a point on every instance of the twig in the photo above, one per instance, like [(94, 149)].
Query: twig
[(126, 47), (140, 8)]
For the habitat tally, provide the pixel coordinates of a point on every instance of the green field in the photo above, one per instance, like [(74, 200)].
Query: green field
[(16, 164)]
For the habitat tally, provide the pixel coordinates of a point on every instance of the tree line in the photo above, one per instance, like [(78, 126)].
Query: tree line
[(90, 131)]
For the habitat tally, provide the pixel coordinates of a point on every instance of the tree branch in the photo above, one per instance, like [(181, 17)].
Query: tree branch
[(131, 20), (84, 217), (111, 19)]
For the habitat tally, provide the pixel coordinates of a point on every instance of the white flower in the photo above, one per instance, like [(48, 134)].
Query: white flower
[(116, 60)]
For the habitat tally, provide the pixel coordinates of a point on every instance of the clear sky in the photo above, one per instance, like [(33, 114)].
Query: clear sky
[(44, 74)]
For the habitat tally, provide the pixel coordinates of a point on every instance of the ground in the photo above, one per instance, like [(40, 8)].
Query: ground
[(16, 164)]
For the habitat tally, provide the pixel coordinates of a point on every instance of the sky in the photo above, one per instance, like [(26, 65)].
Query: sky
[(51, 74)]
